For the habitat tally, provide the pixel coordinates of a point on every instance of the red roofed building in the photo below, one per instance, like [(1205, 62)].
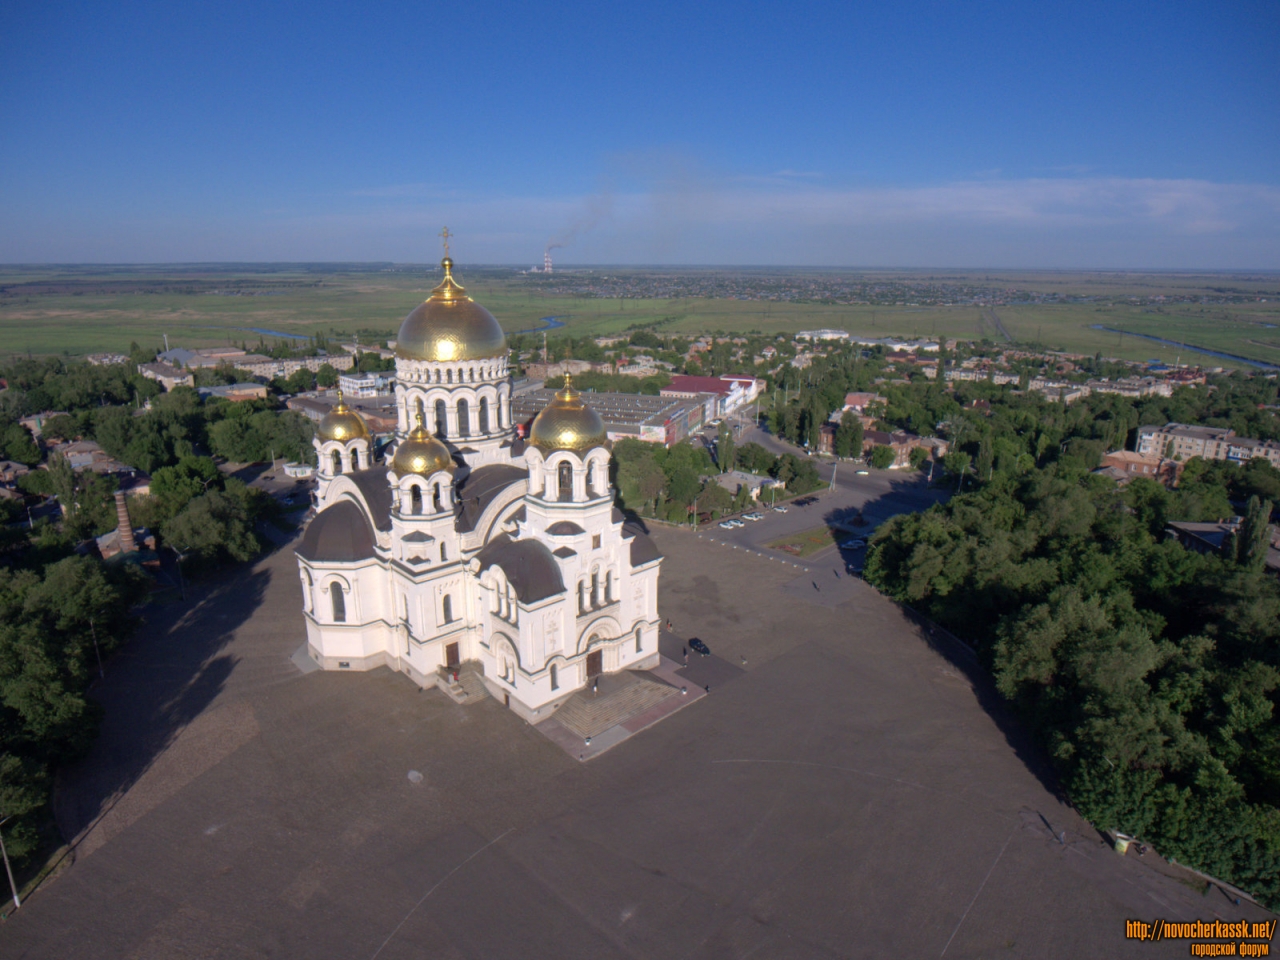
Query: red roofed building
[(725, 394)]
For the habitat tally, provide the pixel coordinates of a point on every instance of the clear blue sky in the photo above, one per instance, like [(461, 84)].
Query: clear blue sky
[(1032, 134)]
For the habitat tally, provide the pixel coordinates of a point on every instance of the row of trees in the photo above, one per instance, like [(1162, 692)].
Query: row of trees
[(1148, 672)]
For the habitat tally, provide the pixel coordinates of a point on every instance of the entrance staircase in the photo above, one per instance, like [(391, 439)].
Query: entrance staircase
[(469, 688), (618, 698)]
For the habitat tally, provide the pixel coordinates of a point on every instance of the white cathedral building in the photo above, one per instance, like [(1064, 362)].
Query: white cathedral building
[(469, 543)]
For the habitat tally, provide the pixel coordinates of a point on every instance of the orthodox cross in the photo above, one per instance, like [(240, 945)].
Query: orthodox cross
[(446, 235)]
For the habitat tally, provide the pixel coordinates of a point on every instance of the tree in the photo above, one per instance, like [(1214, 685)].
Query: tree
[(882, 457), (724, 448), (17, 444), (1249, 544), (327, 376), (918, 456), (211, 527), (848, 441)]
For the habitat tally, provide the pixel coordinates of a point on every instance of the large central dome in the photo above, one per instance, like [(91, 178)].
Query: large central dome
[(450, 326)]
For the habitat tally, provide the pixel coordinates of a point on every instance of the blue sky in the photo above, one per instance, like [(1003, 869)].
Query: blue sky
[(1032, 134)]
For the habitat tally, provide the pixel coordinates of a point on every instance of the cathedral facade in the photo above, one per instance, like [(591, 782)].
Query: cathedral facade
[(468, 544)]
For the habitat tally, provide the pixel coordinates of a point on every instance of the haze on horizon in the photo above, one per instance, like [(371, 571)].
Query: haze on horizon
[(1004, 135)]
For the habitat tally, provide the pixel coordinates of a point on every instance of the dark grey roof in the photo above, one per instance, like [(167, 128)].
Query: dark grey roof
[(528, 564), (481, 487), (643, 549), (564, 553), (418, 537), (377, 493), (564, 528), (339, 533)]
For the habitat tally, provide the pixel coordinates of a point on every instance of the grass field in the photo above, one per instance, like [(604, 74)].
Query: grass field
[(86, 310), (806, 542)]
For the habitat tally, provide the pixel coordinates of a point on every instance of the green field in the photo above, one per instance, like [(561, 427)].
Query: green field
[(86, 310)]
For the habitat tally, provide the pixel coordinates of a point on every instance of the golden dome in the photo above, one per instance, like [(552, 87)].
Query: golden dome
[(342, 424), (566, 423), (421, 453), (450, 326)]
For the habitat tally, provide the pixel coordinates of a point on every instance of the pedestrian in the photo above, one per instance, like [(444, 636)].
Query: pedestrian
[(686, 656), (707, 688)]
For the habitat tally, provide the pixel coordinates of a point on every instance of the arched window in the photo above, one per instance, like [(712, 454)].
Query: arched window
[(464, 419), (448, 376), (555, 679), (484, 415), (566, 481), (442, 421), (444, 554), (591, 478), (639, 647), (446, 608), (355, 459), (415, 499), (608, 587), (339, 603), (435, 497), (582, 597), (337, 463)]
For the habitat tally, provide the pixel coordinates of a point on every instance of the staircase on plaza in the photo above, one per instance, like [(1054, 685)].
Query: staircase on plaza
[(618, 698), (469, 688)]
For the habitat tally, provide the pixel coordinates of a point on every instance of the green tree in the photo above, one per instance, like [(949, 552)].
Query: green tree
[(848, 442), (918, 456), (212, 527), (1249, 544), (882, 458), (327, 376), (725, 454), (17, 444)]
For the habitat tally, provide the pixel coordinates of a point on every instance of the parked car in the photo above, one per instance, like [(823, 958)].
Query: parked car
[(728, 524), (697, 646), (753, 516), (779, 509), (853, 544), (862, 473)]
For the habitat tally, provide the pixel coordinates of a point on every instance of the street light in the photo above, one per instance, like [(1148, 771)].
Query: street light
[(8, 869)]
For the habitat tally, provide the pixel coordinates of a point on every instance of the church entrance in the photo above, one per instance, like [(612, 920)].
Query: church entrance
[(595, 665), (451, 655)]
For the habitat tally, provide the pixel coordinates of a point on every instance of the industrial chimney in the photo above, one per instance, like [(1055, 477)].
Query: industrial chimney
[(546, 261), (125, 527)]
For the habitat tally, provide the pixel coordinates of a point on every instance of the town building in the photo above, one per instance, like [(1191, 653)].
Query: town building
[(470, 549), (1182, 442), (664, 420), (726, 393), (1127, 465), (235, 392), (364, 385), (167, 375)]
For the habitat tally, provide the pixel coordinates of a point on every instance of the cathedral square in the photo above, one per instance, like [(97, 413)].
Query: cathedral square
[(374, 742)]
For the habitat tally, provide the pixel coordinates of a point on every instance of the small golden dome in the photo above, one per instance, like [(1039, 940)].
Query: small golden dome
[(342, 424), (566, 423), (450, 326), (421, 453)]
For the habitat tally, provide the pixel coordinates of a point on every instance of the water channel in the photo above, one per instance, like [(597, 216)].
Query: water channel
[(1189, 346)]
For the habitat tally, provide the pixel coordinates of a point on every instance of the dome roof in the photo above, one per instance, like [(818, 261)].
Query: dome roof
[(566, 423), (342, 424), (449, 326), (421, 453)]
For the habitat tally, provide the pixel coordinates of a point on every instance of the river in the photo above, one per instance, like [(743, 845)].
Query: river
[(1189, 346)]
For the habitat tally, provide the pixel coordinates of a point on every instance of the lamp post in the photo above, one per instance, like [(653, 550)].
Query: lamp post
[(8, 869), (97, 652)]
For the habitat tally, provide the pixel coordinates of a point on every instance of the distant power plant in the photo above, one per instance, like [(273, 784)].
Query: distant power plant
[(546, 260)]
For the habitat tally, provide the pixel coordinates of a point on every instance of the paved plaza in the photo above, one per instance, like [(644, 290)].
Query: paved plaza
[(844, 789)]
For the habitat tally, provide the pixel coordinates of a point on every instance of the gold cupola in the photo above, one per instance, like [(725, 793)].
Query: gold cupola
[(450, 326), (566, 423), (421, 453), (342, 424)]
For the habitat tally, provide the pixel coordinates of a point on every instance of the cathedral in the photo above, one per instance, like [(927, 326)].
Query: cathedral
[(469, 546)]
